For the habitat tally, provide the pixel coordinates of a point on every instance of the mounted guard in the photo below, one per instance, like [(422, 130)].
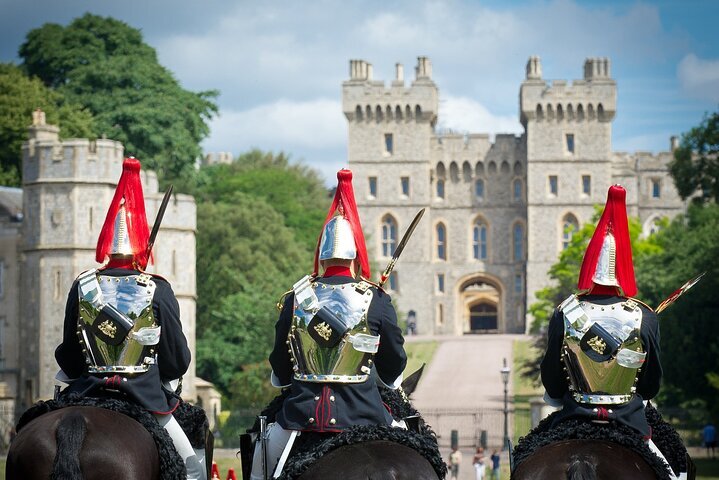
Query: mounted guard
[(336, 338), (602, 360), (122, 334)]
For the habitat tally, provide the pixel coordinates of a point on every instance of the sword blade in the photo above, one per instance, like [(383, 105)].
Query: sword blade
[(400, 247), (678, 293), (158, 220)]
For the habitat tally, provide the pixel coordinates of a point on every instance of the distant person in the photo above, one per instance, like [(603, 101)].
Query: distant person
[(480, 467), (495, 465), (455, 458), (412, 323), (710, 438)]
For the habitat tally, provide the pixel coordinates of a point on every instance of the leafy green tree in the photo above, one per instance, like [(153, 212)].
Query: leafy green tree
[(689, 327), (104, 65), (20, 95), (696, 162)]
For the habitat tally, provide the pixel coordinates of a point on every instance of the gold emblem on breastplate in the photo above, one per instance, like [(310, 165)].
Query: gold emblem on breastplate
[(597, 344), (323, 330), (108, 328)]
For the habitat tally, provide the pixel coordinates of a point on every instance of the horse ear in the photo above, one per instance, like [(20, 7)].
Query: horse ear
[(409, 384)]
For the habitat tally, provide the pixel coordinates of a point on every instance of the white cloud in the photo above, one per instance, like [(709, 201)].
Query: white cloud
[(467, 115), (699, 77)]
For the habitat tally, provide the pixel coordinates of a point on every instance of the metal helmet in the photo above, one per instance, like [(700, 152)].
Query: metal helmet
[(608, 259), (342, 235), (125, 231), (337, 240)]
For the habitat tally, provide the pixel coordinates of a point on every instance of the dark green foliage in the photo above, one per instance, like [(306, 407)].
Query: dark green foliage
[(257, 224), (104, 65), (689, 327), (696, 166), (20, 95)]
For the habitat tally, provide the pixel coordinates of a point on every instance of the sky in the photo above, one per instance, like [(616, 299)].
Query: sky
[(279, 65)]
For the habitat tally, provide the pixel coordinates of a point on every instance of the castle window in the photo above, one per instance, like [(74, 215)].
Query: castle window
[(656, 188), (570, 142), (57, 277), (405, 186), (586, 184), (358, 113), (553, 185), (570, 225), (517, 190), (518, 242), (479, 240), (441, 232), (373, 187), (90, 214), (479, 188), (389, 236), (518, 283), (440, 188), (440, 314), (440, 282), (388, 144), (393, 282)]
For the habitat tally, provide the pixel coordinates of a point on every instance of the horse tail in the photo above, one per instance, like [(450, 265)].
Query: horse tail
[(582, 467), (69, 436)]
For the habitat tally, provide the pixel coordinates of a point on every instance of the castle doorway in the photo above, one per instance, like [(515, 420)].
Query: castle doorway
[(480, 305)]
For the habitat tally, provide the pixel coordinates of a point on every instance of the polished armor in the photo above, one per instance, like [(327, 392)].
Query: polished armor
[(116, 324), (602, 351), (329, 339), (337, 240)]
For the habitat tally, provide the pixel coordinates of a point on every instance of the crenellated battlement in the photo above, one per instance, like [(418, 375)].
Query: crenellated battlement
[(367, 100), (591, 99)]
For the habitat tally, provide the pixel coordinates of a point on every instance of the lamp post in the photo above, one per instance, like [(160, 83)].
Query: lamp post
[(505, 378)]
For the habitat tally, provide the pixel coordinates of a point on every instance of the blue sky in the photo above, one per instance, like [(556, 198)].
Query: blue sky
[(279, 65)]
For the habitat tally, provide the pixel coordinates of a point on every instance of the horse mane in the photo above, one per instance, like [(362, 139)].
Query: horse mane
[(69, 435)]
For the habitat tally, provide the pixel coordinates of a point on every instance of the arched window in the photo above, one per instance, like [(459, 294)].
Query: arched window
[(569, 227), (389, 235), (358, 113), (517, 190), (466, 172), (441, 231), (540, 112), (440, 188), (518, 242), (398, 113), (479, 240), (479, 188)]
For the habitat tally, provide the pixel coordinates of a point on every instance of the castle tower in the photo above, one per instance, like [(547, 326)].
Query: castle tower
[(569, 155), (390, 130), (67, 186)]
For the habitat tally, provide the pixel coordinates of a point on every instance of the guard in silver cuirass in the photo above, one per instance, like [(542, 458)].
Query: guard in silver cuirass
[(122, 334), (602, 359), (336, 338)]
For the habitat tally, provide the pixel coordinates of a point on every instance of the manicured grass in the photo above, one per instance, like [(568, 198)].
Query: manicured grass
[(417, 354), (707, 469), (524, 389)]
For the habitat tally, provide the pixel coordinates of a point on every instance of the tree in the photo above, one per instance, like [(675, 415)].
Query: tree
[(104, 65), (696, 162), (20, 95)]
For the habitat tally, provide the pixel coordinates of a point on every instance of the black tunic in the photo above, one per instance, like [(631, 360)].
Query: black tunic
[(173, 354), (555, 380), (346, 404)]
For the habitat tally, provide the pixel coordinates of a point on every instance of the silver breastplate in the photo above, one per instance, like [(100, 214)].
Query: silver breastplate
[(131, 296), (329, 339), (602, 350)]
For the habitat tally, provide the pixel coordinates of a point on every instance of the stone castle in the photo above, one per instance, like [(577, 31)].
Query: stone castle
[(498, 212), (48, 233)]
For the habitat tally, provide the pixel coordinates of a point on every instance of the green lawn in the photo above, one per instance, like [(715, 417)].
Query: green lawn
[(524, 390), (417, 354)]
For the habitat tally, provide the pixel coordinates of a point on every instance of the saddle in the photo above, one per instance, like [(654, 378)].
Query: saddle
[(192, 419), (310, 446), (664, 437)]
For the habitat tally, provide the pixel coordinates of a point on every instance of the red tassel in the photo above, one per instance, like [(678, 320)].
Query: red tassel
[(129, 187), (215, 474), (614, 219), (231, 474), (345, 197)]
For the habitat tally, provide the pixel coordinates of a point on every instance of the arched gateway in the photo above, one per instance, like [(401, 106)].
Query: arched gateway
[(480, 304)]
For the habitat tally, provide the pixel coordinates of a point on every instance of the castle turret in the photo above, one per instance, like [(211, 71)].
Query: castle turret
[(569, 153)]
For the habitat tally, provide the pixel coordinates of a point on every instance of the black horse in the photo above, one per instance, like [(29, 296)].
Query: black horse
[(87, 443)]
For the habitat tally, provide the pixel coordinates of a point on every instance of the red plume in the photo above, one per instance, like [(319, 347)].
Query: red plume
[(614, 219), (129, 188), (215, 472), (345, 197)]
